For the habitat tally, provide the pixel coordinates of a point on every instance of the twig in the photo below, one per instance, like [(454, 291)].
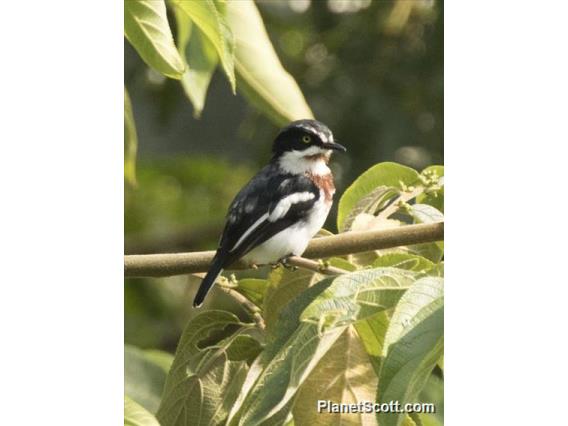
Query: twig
[(163, 265), (312, 265), (250, 307)]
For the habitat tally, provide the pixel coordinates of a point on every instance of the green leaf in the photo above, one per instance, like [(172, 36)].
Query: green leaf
[(253, 289), (143, 378), (204, 380), (406, 261), (358, 295), (413, 344), (130, 141), (214, 26), (341, 263), (345, 374), (433, 392), (200, 58), (370, 203), (136, 415), (387, 174), (146, 27), (262, 79), (424, 213), (372, 333), (283, 286)]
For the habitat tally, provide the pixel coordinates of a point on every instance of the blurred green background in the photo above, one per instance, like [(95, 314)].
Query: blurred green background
[(371, 70)]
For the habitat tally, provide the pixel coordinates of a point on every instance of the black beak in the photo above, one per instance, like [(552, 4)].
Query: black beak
[(334, 146)]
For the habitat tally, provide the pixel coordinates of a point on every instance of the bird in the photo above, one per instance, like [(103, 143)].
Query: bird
[(276, 214)]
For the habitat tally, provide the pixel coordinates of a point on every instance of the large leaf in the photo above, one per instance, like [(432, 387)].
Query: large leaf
[(391, 175), (345, 375), (295, 347), (200, 57), (144, 378), (204, 381), (146, 28), (358, 295), (261, 77), (283, 286), (213, 25), (130, 141), (136, 415), (413, 345)]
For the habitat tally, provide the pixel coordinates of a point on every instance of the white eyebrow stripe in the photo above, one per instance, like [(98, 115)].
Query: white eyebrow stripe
[(248, 231), (285, 203)]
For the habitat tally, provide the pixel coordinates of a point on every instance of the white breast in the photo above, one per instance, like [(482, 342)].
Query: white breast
[(294, 239)]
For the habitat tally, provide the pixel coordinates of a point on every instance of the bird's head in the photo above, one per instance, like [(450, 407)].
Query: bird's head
[(305, 139)]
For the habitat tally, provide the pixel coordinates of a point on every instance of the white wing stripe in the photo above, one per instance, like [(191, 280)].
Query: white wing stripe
[(248, 231), (285, 203)]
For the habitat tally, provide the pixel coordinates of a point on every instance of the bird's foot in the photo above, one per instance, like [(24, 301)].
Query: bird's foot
[(253, 265), (285, 264)]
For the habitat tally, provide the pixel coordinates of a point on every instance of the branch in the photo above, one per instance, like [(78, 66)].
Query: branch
[(164, 265)]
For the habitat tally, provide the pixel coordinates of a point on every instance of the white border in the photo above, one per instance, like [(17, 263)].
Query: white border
[(61, 216), (505, 142)]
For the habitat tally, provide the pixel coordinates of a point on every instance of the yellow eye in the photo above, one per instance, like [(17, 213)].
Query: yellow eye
[(306, 139)]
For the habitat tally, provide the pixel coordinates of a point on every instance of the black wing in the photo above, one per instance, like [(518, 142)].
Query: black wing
[(246, 229)]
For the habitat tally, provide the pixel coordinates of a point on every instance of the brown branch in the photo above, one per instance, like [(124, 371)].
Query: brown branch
[(163, 265)]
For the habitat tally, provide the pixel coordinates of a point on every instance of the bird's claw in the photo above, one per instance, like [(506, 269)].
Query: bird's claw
[(285, 264)]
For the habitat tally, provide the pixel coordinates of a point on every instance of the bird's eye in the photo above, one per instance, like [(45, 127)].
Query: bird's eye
[(306, 139)]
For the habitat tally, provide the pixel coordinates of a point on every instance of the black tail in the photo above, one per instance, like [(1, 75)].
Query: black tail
[(214, 271)]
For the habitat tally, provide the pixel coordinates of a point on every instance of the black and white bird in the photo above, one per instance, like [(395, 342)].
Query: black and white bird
[(278, 212)]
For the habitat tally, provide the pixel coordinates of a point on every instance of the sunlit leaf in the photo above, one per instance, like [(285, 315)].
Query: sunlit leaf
[(407, 261), (368, 204), (345, 374), (383, 174), (146, 27), (358, 295), (130, 141), (283, 286), (205, 15), (424, 213), (413, 345), (200, 57), (136, 415), (261, 77)]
